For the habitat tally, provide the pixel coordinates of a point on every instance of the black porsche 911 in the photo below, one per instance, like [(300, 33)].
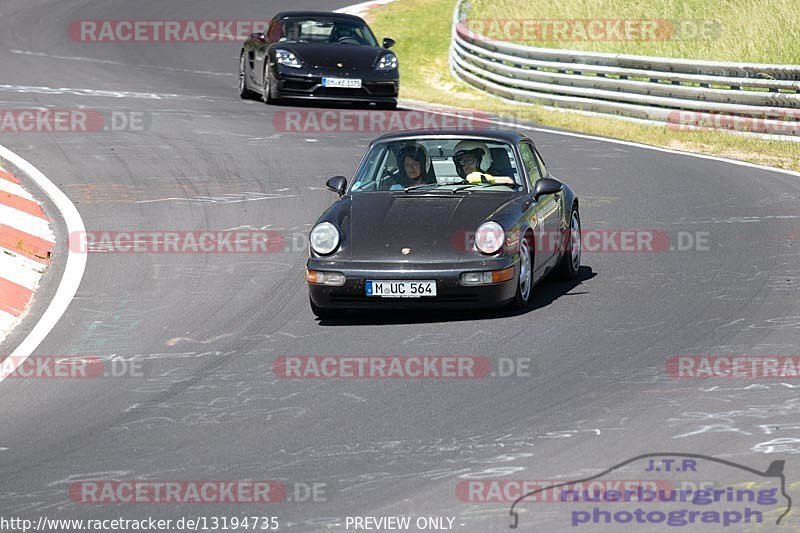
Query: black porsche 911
[(319, 56), (443, 219)]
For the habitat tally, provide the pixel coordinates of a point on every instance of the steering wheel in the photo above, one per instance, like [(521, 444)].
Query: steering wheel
[(388, 178), (390, 174), (347, 39)]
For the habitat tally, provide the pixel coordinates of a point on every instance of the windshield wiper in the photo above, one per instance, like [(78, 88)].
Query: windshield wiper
[(464, 185), (415, 187), (512, 185)]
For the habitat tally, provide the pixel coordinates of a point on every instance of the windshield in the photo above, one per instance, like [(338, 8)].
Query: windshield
[(326, 30), (439, 164)]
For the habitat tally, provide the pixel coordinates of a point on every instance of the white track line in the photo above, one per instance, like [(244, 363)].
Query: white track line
[(363, 7), (99, 92), (110, 62), (73, 270)]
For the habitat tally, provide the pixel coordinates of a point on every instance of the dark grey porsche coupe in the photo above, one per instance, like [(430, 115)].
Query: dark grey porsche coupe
[(319, 56), (444, 218)]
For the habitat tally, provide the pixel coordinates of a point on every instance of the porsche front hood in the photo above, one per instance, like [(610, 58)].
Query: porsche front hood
[(430, 228)]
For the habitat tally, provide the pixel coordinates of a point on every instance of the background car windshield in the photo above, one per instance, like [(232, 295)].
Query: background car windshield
[(435, 164), (320, 30)]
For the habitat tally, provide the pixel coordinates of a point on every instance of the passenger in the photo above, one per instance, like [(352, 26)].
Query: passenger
[(414, 168)]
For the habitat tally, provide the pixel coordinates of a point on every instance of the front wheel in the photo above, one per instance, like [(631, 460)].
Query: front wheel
[(524, 295), (571, 259)]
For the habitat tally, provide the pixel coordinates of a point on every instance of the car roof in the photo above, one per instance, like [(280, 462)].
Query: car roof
[(325, 14), (509, 136)]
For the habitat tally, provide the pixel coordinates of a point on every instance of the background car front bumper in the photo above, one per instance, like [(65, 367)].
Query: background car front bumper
[(376, 86)]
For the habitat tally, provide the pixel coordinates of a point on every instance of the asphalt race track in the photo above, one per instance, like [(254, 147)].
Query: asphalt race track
[(207, 327)]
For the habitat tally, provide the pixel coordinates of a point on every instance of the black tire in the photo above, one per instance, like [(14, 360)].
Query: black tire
[(244, 92), (321, 312), (570, 264), (523, 301)]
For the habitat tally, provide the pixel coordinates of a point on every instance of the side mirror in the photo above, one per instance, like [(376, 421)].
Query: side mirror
[(388, 43), (337, 184), (546, 186), (259, 36)]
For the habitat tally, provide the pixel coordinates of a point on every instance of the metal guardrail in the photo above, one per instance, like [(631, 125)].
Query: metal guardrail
[(751, 97)]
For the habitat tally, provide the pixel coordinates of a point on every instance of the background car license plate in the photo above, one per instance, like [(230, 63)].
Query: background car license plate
[(401, 289), (347, 83)]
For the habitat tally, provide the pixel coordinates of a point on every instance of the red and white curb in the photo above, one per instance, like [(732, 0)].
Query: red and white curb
[(363, 8), (26, 243), (74, 266)]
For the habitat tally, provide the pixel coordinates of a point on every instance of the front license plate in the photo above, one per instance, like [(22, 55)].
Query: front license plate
[(346, 83), (401, 289)]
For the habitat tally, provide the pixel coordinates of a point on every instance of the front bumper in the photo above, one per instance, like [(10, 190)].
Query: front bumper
[(450, 292), (377, 86)]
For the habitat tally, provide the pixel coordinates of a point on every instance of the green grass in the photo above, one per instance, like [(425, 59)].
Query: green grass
[(422, 30), (760, 31)]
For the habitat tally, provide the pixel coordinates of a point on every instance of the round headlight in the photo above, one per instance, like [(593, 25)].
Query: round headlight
[(490, 237), (324, 238)]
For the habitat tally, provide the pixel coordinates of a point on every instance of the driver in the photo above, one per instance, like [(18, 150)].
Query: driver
[(472, 156), (292, 31), (344, 32)]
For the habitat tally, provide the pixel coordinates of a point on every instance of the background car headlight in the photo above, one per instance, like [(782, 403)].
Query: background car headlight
[(287, 59), (388, 62), (490, 237), (324, 238)]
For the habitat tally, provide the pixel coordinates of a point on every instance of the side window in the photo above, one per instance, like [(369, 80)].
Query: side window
[(541, 163), (369, 169), (529, 160), (386, 168), (360, 35)]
